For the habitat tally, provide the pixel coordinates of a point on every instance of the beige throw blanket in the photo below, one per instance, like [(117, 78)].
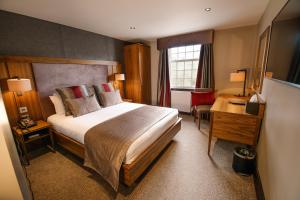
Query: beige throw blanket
[(106, 144)]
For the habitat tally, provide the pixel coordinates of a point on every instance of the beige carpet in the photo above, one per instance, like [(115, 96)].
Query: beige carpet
[(183, 171)]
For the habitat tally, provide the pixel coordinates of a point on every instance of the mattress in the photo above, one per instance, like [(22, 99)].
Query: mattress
[(76, 128)]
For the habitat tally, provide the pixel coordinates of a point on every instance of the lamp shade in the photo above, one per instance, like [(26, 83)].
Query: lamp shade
[(237, 77), (119, 77), (19, 85)]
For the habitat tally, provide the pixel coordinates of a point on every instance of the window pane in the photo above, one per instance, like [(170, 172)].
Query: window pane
[(180, 66), (174, 56), (173, 74), (197, 54), (197, 47), (189, 48), (193, 82), (179, 82), (181, 49), (180, 74), (187, 74), (195, 64), (181, 56), (174, 50), (188, 65), (189, 55), (187, 82), (194, 73), (173, 65)]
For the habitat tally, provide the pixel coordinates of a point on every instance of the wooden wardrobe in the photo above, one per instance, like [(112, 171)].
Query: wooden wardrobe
[(138, 73)]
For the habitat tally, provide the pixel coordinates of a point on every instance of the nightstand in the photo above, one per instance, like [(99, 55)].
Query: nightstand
[(38, 132), (127, 100)]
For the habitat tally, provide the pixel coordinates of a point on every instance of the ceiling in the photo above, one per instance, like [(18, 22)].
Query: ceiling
[(151, 18)]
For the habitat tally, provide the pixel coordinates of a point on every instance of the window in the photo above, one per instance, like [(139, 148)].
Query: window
[(184, 65)]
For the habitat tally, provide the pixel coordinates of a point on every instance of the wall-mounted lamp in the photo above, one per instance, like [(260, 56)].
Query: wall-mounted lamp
[(240, 76), (19, 85)]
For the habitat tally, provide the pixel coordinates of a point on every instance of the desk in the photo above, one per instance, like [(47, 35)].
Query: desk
[(231, 122)]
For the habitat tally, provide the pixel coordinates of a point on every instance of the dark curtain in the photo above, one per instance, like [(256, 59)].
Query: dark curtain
[(163, 86), (205, 74), (294, 71)]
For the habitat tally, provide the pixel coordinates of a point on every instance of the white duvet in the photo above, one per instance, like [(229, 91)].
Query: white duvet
[(76, 128)]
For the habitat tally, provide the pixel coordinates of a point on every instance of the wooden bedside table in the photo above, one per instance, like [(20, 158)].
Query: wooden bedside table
[(127, 100), (25, 136)]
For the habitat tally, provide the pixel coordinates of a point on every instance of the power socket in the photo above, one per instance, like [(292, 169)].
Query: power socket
[(23, 109)]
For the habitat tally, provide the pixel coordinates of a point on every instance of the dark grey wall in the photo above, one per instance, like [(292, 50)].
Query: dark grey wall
[(27, 36)]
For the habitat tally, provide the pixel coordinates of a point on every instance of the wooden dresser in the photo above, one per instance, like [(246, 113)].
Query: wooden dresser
[(231, 122), (138, 73)]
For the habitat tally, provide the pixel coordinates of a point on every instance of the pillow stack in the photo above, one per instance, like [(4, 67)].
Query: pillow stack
[(107, 95), (74, 92), (81, 100)]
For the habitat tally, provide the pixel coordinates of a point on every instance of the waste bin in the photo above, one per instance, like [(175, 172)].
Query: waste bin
[(244, 161)]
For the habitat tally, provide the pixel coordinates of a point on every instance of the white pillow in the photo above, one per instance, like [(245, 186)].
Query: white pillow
[(58, 104)]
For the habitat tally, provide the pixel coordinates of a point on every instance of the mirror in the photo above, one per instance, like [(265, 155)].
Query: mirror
[(261, 60)]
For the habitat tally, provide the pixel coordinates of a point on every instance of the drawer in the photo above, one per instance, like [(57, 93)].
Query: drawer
[(236, 119), (237, 128)]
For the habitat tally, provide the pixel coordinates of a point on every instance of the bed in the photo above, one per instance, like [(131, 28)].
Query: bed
[(69, 133), (76, 128)]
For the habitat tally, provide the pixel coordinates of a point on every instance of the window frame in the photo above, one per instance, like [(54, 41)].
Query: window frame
[(193, 66)]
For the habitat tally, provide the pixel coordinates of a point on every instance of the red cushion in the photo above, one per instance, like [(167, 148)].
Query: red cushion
[(77, 91), (106, 87), (203, 98)]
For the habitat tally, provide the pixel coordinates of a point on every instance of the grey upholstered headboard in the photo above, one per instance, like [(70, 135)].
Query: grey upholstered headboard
[(51, 76)]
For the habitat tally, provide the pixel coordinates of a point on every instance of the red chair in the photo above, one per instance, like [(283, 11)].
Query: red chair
[(202, 101)]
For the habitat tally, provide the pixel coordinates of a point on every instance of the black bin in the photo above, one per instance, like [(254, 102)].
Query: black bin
[(244, 161)]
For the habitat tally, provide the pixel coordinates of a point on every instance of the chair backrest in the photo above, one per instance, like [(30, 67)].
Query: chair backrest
[(203, 98)]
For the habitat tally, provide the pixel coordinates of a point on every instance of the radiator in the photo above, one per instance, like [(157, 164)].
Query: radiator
[(181, 100)]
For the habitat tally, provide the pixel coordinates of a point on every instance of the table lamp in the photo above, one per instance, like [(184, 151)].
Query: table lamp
[(119, 77), (239, 76)]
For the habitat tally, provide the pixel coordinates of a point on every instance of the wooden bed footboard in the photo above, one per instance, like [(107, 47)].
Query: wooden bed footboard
[(130, 172)]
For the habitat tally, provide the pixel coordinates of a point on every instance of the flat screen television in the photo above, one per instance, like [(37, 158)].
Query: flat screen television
[(283, 61)]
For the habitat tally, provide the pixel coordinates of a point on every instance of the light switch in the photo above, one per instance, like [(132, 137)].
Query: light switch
[(23, 109)]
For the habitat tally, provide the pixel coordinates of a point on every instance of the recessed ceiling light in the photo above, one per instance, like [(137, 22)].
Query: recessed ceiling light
[(132, 27), (207, 9)]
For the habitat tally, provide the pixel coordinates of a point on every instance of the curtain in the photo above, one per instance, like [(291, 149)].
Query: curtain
[(205, 74), (163, 86)]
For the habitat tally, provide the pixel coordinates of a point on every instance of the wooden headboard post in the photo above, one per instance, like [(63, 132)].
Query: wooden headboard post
[(23, 66)]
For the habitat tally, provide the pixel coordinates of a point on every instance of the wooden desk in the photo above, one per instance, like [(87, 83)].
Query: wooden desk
[(231, 122)]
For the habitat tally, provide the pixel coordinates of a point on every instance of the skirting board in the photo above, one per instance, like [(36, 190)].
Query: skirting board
[(258, 186)]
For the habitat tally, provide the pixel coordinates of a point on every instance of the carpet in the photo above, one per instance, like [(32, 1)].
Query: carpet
[(182, 171)]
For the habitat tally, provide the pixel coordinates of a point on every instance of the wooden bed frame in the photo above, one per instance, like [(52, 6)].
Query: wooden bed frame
[(129, 172), (40, 106)]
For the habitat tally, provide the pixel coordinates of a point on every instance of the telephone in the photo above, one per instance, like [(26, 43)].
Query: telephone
[(26, 123)]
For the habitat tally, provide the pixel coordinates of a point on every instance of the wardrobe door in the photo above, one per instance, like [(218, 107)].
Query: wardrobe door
[(133, 76), (145, 65)]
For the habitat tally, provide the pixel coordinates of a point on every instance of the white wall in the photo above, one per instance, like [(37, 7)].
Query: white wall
[(233, 49), (13, 184), (278, 159), (278, 162)]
